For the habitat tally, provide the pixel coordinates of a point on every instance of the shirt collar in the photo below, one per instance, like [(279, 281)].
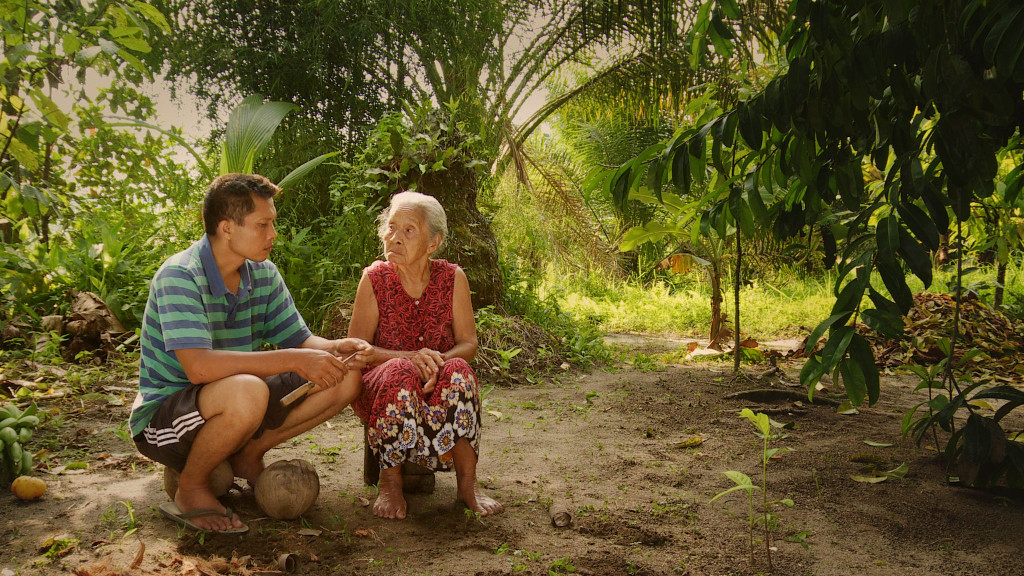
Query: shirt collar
[(213, 275)]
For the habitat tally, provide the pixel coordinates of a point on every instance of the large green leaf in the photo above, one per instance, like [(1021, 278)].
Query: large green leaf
[(853, 381), (916, 257), (302, 171), (920, 224), (656, 177), (896, 283), (750, 126), (850, 296), (887, 239), (885, 323), (650, 232), (811, 372), (935, 202), (22, 153), (755, 203), (1002, 40), (860, 352), (760, 420), (49, 110), (1014, 184), (250, 128), (838, 341), (681, 169), (741, 214), (850, 184), (983, 440)]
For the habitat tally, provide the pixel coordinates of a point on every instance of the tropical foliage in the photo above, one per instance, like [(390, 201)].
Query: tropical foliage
[(79, 196), (903, 91), (871, 139)]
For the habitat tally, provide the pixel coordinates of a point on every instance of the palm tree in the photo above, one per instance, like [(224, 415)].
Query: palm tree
[(346, 62)]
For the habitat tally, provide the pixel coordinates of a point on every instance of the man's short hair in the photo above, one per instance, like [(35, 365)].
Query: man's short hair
[(230, 197)]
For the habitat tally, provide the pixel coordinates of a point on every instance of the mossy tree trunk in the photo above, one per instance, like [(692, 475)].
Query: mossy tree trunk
[(471, 242)]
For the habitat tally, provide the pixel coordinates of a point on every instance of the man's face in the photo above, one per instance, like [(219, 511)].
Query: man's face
[(254, 237)]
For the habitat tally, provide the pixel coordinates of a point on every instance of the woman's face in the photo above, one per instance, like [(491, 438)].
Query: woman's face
[(407, 237)]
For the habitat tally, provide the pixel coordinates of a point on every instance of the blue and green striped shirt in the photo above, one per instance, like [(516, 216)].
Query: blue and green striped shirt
[(190, 307)]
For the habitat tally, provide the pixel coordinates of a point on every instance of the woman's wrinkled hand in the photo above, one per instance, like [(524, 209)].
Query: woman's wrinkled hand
[(429, 363), (355, 352)]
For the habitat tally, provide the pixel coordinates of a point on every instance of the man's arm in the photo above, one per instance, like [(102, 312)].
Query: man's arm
[(354, 352), (316, 365)]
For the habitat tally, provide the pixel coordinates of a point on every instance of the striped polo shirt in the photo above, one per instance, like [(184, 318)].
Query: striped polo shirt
[(190, 307)]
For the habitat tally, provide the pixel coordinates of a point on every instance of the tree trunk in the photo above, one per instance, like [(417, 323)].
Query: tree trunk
[(1000, 282), (716, 308), (942, 254), (471, 242), (736, 293)]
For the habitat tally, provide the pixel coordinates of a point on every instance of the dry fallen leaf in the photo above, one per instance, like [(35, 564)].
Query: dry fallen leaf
[(138, 556), (690, 442)]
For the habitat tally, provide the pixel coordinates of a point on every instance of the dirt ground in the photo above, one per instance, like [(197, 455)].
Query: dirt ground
[(616, 447)]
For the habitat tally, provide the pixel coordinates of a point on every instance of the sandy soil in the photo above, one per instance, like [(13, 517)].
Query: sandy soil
[(613, 447)]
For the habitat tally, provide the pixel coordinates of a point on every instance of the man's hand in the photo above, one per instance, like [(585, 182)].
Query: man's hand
[(322, 368)]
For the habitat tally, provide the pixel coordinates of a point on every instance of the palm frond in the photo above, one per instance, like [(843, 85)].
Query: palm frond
[(250, 127)]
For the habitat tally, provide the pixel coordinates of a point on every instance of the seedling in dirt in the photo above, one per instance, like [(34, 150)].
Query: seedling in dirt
[(561, 566), (505, 357), (473, 515), (645, 363), (58, 547), (129, 523), (766, 518)]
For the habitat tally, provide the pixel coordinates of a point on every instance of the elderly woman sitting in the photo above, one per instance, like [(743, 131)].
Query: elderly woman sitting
[(420, 397)]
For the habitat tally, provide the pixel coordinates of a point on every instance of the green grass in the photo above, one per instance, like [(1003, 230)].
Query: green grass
[(768, 309), (788, 305)]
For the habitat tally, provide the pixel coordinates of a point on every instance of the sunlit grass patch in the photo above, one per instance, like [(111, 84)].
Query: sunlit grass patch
[(786, 308)]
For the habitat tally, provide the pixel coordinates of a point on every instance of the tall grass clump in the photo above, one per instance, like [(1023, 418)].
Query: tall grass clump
[(532, 335)]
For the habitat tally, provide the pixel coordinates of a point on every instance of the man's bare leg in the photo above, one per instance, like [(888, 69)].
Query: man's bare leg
[(233, 410), (316, 409), (465, 475), (390, 501)]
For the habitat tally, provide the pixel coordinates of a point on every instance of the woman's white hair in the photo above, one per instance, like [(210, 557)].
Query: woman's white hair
[(427, 206)]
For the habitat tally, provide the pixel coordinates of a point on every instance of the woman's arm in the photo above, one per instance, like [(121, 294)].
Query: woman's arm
[(365, 319), (463, 323), (365, 315)]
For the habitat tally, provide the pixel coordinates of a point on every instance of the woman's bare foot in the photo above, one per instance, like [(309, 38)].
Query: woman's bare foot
[(476, 500), (200, 498), (390, 501), (465, 475)]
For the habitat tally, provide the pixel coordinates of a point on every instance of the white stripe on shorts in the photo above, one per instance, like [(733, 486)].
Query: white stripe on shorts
[(181, 425)]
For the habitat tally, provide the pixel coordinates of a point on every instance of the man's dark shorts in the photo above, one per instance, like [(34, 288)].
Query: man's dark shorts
[(168, 437)]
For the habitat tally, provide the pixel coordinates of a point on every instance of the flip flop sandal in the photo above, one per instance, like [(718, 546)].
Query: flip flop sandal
[(171, 510)]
